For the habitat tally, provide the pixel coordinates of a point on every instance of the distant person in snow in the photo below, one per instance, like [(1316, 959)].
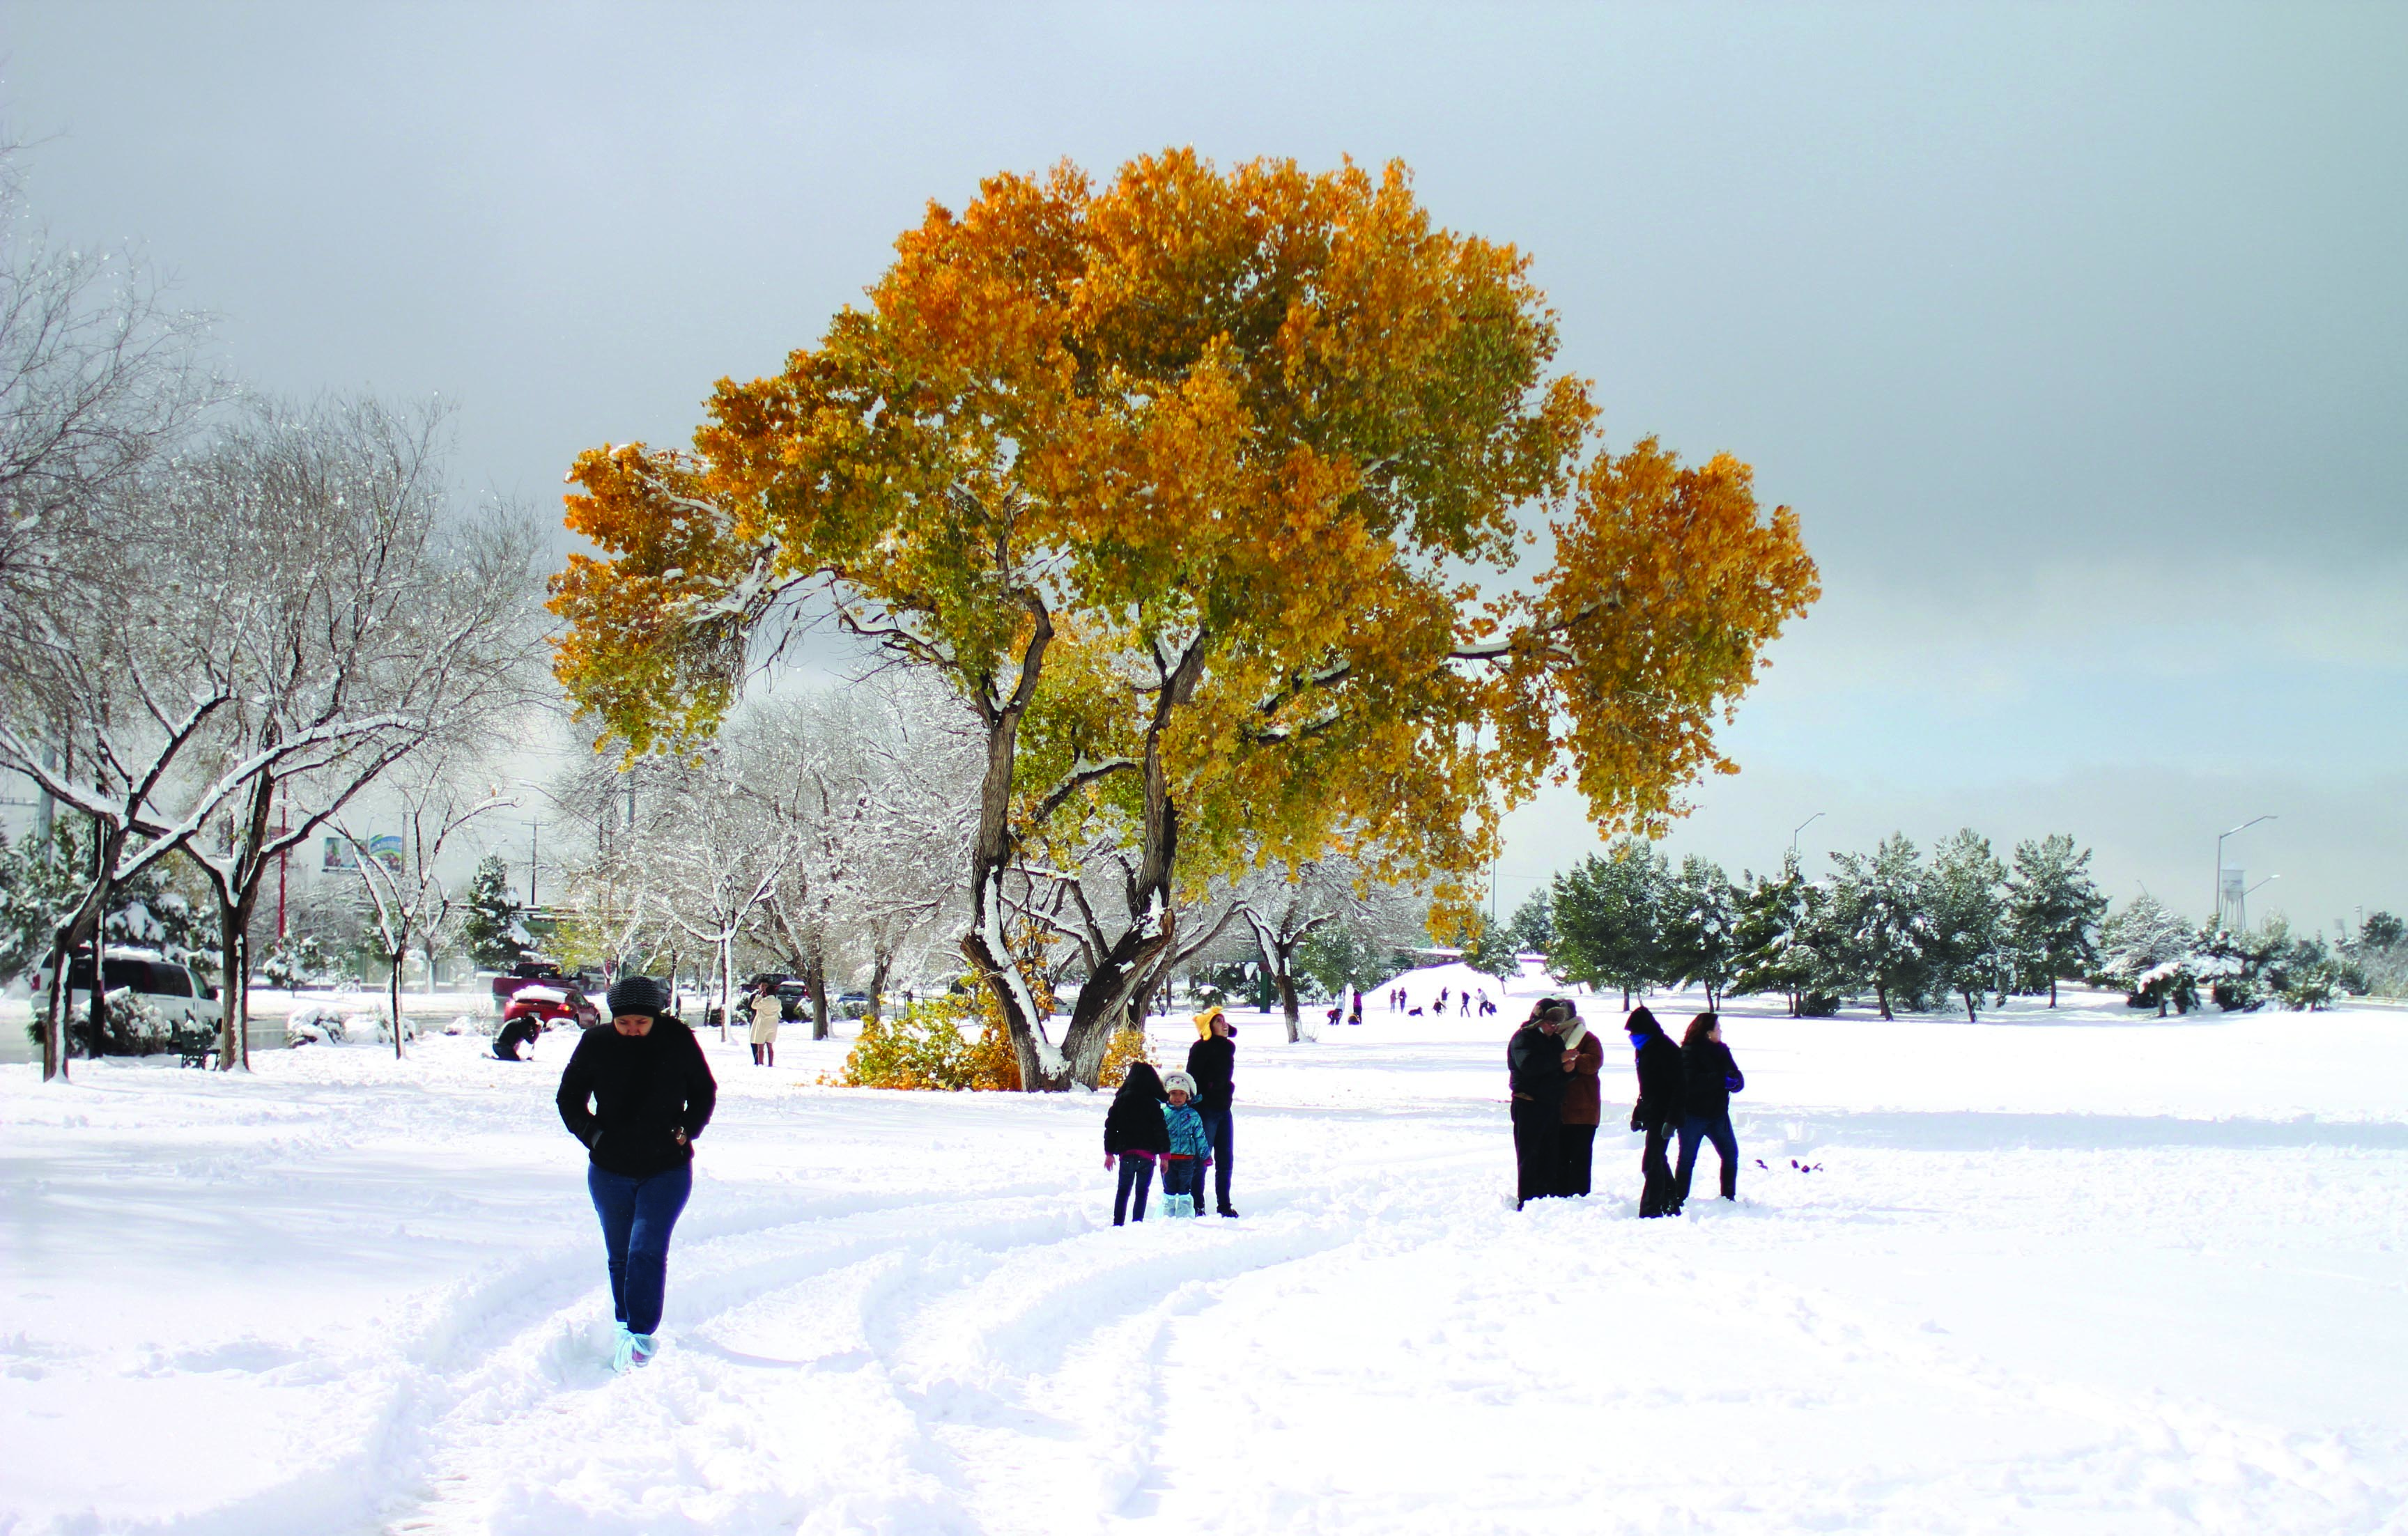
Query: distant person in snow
[(1657, 1112), (767, 1010), (516, 1033), (1576, 1128), (637, 1093), (1355, 1016), (1534, 1065), (1709, 1077), (1213, 1063), (1191, 1148), (1136, 1133)]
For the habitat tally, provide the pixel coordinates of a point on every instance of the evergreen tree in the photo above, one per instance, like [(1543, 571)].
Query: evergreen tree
[(1880, 924), (1965, 894), (1532, 927), (1607, 922), (485, 931), (1772, 938), (1699, 928), (2053, 912), (2152, 954)]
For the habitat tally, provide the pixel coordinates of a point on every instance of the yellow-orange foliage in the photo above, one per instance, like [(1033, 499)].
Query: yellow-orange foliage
[(1189, 482)]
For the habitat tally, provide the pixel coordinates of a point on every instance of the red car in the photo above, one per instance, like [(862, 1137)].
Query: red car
[(551, 1003)]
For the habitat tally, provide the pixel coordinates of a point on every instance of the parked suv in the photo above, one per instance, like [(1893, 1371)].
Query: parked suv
[(178, 997)]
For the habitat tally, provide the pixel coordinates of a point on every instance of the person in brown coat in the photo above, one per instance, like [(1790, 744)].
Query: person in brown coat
[(1576, 1137)]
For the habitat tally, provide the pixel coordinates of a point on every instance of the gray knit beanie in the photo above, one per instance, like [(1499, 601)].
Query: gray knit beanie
[(638, 995)]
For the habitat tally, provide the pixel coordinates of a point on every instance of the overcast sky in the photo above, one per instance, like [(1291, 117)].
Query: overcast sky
[(2077, 337)]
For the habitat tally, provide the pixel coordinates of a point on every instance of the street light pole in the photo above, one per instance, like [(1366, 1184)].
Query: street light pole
[(1800, 827), (2218, 905)]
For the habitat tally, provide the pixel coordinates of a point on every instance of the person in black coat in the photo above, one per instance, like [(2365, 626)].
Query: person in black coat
[(1658, 1110), (1709, 1077), (638, 1092), (516, 1033), (1135, 1133), (1534, 1065), (1212, 1062)]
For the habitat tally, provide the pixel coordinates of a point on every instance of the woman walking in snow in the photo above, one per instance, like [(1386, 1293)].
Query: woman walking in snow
[(636, 1093), (1576, 1133), (1136, 1133), (1709, 1077)]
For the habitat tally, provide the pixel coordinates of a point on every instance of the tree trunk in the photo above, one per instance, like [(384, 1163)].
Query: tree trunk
[(815, 978), (1286, 985), (96, 1012), (1969, 1019), (2052, 991), (881, 962), (1881, 992), (234, 988), (726, 983), (400, 953)]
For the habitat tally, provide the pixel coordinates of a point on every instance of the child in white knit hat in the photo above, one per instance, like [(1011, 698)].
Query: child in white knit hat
[(1191, 1148)]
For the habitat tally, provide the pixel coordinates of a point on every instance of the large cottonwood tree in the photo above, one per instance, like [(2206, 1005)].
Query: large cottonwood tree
[(1196, 485)]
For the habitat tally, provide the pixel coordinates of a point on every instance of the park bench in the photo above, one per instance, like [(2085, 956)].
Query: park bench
[(194, 1045)]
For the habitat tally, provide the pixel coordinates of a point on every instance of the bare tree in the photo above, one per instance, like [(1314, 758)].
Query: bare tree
[(410, 896), (374, 603)]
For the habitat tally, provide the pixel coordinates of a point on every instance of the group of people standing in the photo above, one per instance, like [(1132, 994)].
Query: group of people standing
[(1554, 1062), (1180, 1121)]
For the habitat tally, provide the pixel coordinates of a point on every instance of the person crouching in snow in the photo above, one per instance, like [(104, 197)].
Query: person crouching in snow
[(1136, 1133), (1190, 1149)]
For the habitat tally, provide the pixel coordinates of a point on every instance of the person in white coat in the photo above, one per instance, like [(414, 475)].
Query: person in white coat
[(767, 1010)]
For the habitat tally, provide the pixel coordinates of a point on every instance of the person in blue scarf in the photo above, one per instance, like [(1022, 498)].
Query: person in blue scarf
[(1657, 1112)]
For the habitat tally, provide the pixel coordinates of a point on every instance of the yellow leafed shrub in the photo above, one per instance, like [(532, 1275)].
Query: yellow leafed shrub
[(928, 1046)]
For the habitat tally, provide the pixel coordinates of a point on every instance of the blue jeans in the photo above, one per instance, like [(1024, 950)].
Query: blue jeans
[(636, 1215), (1695, 1131), (1221, 1129), (1137, 1177)]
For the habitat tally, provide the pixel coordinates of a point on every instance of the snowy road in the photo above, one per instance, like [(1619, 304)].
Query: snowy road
[(2096, 1276)]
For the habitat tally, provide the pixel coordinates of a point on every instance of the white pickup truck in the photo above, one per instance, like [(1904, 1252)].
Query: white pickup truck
[(178, 995)]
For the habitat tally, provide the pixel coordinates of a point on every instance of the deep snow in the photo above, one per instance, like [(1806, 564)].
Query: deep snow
[(2081, 1272)]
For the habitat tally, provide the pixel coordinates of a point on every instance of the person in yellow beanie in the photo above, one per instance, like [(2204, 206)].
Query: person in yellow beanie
[(1212, 1061)]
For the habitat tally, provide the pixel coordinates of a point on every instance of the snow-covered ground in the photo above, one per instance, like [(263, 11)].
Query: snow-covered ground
[(2082, 1272)]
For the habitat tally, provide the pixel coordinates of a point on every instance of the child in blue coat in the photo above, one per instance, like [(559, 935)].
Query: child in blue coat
[(1190, 1149)]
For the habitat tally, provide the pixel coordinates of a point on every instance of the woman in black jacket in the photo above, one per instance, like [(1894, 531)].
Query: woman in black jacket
[(1135, 1133), (638, 1092), (1709, 1077)]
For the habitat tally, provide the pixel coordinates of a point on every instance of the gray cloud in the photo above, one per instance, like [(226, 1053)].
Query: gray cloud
[(2074, 334)]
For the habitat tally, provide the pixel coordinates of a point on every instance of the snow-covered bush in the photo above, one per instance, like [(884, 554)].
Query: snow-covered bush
[(2151, 955), (294, 961), (359, 1023), (315, 1024), (132, 1028)]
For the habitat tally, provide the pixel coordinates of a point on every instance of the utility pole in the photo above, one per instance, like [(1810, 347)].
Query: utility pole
[(535, 852), (1800, 827)]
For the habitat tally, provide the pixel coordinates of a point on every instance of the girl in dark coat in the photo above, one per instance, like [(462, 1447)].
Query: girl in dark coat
[(1709, 1077), (1576, 1133), (638, 1092), (1135, 1133)]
